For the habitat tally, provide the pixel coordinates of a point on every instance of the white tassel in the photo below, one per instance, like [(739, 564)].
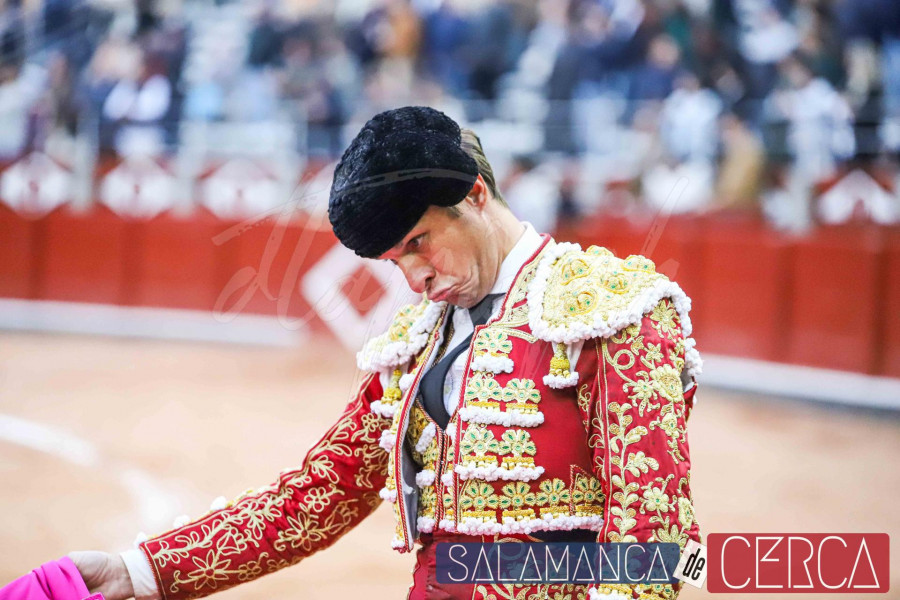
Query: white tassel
[(509, 418), (493, 473), (492, 364), (426, 438), (424, 478), (388, 495), (387, 440), (181, 521), (559, 382), (219, 503)]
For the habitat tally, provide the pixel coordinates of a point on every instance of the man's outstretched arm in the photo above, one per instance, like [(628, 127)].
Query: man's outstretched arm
[(305, 510)]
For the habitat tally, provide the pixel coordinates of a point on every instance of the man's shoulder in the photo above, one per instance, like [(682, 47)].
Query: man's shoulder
[(581, 294), (405, 337)]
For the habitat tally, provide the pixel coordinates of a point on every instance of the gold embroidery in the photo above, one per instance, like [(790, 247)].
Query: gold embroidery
[(309, 515), (559, 364), (493, 342), (585, 285)]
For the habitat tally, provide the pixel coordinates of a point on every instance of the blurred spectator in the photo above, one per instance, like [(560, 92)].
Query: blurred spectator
[(20, 87), (12, 33), (742, 166), (689, 121), (265, 42), (58, 111), (655, 80), (818, 120), (532, 192), (444, 35), (138, 105)]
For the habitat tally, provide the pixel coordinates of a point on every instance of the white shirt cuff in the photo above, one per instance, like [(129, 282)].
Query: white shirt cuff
[(142, 578)]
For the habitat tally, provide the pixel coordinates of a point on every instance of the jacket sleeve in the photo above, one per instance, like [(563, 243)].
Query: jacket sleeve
[(635, 405), (305, 510)]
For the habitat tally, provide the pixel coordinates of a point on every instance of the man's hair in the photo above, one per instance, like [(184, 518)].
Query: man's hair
[(471, 145)]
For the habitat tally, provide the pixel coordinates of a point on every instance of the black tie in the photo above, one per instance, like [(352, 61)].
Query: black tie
[(432, 386)]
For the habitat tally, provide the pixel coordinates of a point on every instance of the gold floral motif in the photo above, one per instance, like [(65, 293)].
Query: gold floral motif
[(482, 388), (516, 442), (572, 269), (605, 286), (654, 386), (587, 491), (667, 383), (665, 321), (615, 282), (553, 492), (478, 441), (404, 319), (478, 497), (427, 501), (493, 341), (635, 262), (521, 391), (517, 496)]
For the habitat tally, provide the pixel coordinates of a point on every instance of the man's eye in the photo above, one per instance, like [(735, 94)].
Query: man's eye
[(416, 242)]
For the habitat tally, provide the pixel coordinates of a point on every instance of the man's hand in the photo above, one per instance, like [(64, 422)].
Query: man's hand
[(105, 573)]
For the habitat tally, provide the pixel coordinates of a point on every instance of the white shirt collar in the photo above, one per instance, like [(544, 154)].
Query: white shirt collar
[(523, 250)]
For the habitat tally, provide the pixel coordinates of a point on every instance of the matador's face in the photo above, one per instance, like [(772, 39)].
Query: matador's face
[(450, 257)]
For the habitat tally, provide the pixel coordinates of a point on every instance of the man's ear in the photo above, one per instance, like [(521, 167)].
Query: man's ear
[(478, 195)]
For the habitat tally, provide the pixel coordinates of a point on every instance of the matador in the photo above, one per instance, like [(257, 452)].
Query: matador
[(539, 391)]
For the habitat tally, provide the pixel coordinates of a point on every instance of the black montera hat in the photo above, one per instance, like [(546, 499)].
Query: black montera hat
[(401, 162)]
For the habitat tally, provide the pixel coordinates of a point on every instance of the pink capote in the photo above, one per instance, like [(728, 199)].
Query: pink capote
[(55, 580)]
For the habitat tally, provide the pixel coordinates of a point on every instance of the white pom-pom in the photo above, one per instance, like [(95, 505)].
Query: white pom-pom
[(219, 503), (181, 521), (140, 538)]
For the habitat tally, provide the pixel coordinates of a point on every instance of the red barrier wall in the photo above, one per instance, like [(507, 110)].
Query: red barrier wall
[(836, 302), (18, 245), (890, 322), (85, 256), (830, 299)]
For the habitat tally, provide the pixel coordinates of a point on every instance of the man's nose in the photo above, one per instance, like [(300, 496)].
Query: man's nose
[(418, 275)]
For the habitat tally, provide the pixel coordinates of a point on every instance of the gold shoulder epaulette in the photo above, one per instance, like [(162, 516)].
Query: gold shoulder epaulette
[(581, 294), (406, 336)]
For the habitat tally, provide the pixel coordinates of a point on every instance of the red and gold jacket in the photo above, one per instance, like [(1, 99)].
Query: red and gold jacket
[(572, 416)]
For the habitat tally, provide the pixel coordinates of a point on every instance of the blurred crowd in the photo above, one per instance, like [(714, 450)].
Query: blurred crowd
[(686, 105)]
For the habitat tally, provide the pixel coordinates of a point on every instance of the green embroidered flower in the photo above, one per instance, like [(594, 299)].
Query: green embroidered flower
[(521, 390), (656, 500), (479, 441), (493, 342), (517, 442), (553, 492), (478, 495), (516, 495), (427, 499), (587, 490), (482, 389)]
